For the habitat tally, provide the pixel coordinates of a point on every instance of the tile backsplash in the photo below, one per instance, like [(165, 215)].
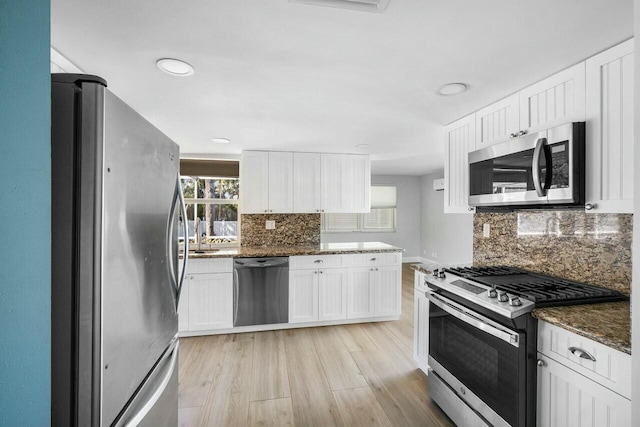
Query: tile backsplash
[(591, 248), (290, 229)]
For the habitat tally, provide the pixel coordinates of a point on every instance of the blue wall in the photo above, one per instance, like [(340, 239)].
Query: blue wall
[(25, 198)]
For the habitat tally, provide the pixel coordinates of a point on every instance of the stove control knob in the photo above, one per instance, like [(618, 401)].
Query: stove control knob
[(441, 274), (492, 293), (503, 297), (515, 301), (435, 273)]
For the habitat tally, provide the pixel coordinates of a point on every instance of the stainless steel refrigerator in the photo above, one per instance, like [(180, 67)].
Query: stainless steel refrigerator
[(116, 209)]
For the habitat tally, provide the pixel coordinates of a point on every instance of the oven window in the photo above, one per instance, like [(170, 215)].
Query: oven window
[(488, 366)]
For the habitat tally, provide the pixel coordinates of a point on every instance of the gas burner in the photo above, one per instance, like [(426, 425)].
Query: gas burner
[(541, 289)]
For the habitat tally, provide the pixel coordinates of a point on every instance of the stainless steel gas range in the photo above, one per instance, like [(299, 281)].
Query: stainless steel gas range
[(482, 340)]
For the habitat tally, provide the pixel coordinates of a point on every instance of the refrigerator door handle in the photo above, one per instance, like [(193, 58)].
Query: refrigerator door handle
[(150, 403), (185, 253), (173, 274)]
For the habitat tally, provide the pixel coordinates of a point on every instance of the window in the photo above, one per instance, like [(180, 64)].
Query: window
[(382, 217), (212, 210)]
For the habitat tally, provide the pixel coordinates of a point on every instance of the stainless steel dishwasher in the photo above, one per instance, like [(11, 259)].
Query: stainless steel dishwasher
[(260, 291)]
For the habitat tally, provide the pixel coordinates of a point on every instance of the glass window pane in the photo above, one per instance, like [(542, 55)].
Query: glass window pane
[(188, 186), (341, 222), (383, 196), (380, 219)]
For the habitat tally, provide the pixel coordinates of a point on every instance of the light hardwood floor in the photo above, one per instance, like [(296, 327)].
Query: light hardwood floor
[(348, 375)]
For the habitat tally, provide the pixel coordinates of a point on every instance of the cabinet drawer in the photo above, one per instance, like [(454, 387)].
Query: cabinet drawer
[(611, 367), (375, 259), (316, 261), (211, 265)]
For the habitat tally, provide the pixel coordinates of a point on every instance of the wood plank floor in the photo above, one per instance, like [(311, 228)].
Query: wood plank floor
[(348, 375)]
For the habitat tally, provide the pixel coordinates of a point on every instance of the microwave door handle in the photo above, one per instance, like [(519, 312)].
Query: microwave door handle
[(548, 179), (535, 168)]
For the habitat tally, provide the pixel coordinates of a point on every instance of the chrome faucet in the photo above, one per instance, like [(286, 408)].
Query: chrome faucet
[(196, 231)]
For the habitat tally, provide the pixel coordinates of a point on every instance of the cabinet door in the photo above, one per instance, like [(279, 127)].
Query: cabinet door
[(497, 122), (356, 183), (332, 291), (566, 398), (360, 293), (303, 296), (421, 329), (254, 179), (609, 130), (306, 182), (459, 141), (280, 182), (332, 176), (554, 101), (388, 290), (210, 301)]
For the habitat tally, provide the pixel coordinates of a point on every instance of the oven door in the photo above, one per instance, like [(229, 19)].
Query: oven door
[(482, 362)]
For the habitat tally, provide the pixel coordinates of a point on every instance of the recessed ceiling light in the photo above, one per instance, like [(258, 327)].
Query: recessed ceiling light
[(221, 140), (451, 89), (377, 6), (175, 67)]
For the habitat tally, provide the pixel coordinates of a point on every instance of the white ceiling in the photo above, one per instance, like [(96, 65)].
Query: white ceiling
[(275, 75)]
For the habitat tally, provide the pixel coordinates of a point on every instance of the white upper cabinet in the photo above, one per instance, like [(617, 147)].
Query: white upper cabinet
[(498, 122), (306, 182), (286, 182), (345, 183), (280, 182), (609, 131), (267, 182), (554, 101), (459, 141), (254, 179)]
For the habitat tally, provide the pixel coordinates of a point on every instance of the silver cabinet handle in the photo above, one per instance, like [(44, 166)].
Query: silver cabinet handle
[(589, 206), (373, 259), (321, 272), (522, 133), (318, 261), (470, 209), (513, 135), (583, 354), (315, 272), (541, 363)]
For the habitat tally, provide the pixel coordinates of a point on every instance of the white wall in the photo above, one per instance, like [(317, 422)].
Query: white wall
[(448, 236), (407, 234)]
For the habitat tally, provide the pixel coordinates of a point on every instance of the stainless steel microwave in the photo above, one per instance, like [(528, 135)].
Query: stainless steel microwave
[(543, 169)]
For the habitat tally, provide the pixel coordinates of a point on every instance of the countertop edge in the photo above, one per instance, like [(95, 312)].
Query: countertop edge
[(620, 345)]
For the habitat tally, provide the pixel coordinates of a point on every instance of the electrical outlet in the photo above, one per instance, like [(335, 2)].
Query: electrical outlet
[(486, 231), (270, 225), (434, 255)]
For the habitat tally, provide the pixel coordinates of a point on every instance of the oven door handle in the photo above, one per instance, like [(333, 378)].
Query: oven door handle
[(473, 320)]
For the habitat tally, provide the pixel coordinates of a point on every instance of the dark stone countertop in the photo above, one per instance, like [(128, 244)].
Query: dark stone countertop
[(606, 323), (293, 250)]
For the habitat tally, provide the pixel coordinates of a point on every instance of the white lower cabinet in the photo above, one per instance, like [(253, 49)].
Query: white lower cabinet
[(332, 294), (303, 296), (357, 292), (420, 323), (567, 399), (581, 382), (210, 301), (388, 289), (361, 293)]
